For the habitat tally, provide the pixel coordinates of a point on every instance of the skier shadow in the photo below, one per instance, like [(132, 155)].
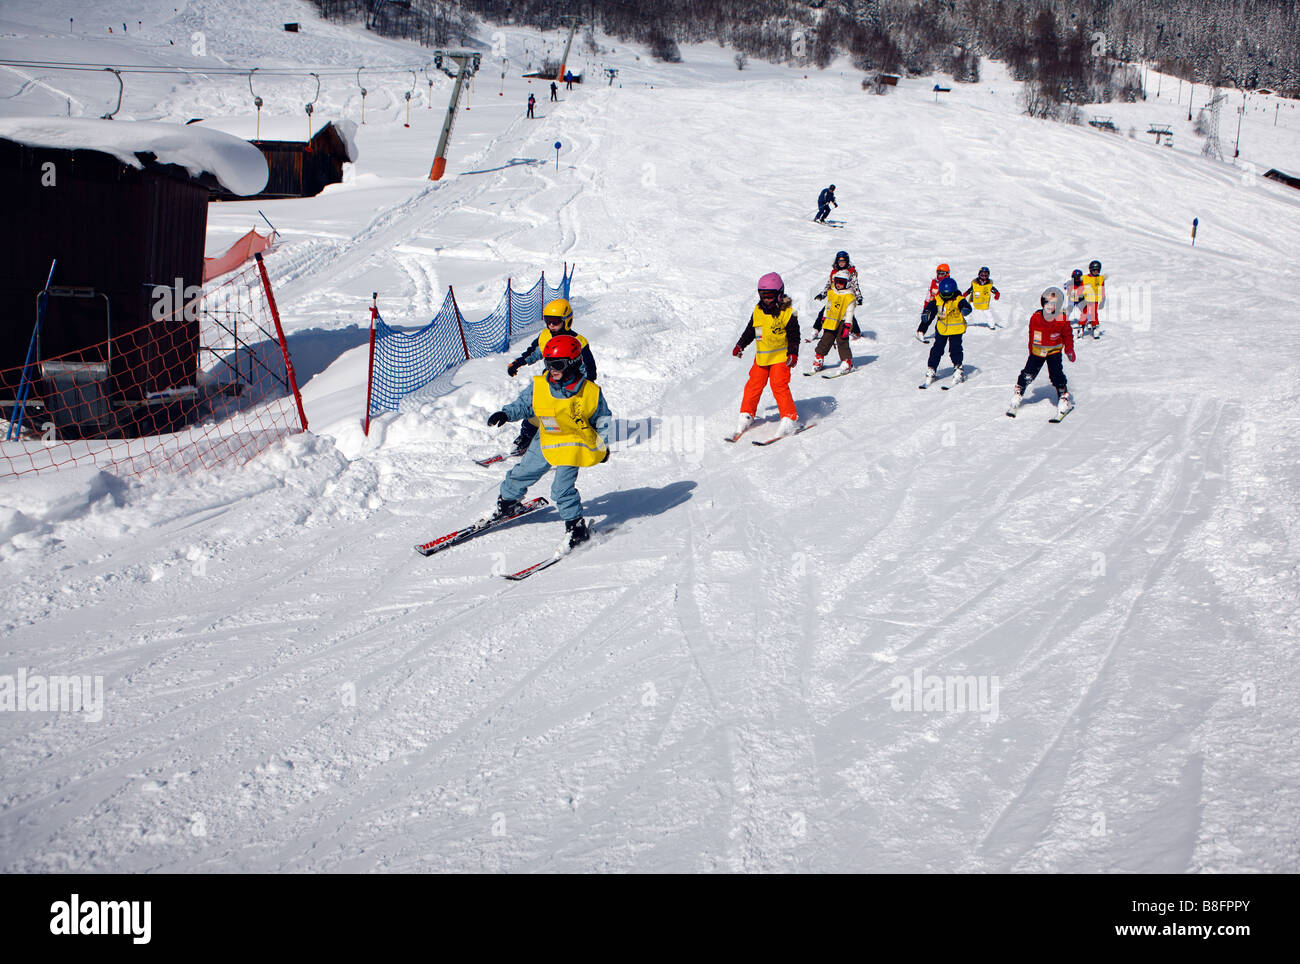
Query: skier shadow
[(627, 504), (815, 408), (513, 162), (861, 361), (1039, 393)]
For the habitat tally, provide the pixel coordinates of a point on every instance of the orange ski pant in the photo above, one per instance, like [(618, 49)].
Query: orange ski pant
[(759, 375)]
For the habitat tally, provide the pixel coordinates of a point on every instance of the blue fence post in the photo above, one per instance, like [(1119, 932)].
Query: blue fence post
[(25, 383)]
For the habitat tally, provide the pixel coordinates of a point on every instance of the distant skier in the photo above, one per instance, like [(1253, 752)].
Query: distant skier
[(554, 89), (979, 291), (1094, 290), (558, 318), (568, 80), (532, 102), (824, 202), (1075, 296), (1050, 336), (842, 262), (928, 307), (774, 327), (575, 423), (836, 323), (951, 310)]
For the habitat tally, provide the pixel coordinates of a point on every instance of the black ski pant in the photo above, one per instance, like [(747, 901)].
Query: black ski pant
[(953, 344), (1055, 371), (822, 211), (831, 336)]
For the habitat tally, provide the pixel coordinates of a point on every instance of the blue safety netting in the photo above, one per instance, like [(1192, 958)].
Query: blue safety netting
[(406, 362)]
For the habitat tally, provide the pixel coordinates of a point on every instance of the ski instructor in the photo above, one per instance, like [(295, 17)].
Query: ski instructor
[(574, 420), (824, 202)]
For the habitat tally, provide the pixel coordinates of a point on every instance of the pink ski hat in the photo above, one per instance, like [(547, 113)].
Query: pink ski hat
[(771, 282)]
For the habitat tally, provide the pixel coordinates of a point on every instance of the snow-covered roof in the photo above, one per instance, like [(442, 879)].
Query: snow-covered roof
[(236, 164), (282, 127)]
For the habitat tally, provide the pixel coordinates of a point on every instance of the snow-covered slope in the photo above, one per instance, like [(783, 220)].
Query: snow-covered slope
[(716, 684)]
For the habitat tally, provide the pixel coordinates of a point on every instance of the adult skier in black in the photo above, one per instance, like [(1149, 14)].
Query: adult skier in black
[(824, 202)]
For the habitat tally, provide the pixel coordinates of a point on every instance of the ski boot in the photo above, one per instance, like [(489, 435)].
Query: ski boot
[(959, 375), (520, 446), (1064, 403), (1017, 397), (920, 336), (504, 510), (818, 362), (576, 533), (930, 375), (788, 427)]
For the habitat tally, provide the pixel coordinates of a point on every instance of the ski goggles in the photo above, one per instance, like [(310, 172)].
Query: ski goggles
[(558, 364)]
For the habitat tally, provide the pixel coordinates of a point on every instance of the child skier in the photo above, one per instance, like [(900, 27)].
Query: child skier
[(1050, 336), (841, 263), (951, 310), (558, 318), (1094, 290), (575, 424), (1075, 297), (836, 323), (980, 289), (928, 308), (774, 326)]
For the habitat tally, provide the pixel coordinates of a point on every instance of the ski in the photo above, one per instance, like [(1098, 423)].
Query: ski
[(477, 528), (954, 383), (559, 554), (1060, 416), (802, 428), (929, 380), (536, 567), (493, 460), (841, 374), (737, 435)]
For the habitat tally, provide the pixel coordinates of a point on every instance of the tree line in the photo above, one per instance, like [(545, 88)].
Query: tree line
[(1070, 51)]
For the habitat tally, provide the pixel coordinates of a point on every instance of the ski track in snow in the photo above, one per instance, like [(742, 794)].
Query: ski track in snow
[(707, 688)]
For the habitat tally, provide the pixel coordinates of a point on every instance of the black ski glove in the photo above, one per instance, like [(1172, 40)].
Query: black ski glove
[(497, 418), (513, 368), (820, 297)]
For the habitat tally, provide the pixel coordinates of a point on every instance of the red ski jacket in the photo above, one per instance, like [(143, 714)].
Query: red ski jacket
[(1050, 337)]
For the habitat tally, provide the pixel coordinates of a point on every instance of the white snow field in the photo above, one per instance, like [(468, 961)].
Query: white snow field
[(721, 682)]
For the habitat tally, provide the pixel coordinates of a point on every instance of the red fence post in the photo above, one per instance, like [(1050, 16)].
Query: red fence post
[(370, 373), (284, 347), (456, 308)]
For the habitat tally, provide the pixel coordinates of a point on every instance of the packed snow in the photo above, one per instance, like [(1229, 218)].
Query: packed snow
[(752, 669)]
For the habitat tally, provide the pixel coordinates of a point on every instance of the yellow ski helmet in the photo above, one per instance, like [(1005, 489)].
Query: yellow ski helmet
[(559, 308)]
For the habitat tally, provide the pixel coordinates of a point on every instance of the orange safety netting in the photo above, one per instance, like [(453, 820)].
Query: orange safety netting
[(250, 244), (206, 383)]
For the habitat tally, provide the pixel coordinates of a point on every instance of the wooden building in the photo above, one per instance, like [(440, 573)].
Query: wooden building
[(297, 167), (120, 233)]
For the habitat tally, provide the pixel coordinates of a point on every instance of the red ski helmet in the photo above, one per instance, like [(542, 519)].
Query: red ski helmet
[(563, 358)]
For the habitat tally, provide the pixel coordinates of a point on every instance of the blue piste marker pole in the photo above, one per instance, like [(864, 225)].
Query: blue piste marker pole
[(1195, 222), (558, 145)]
